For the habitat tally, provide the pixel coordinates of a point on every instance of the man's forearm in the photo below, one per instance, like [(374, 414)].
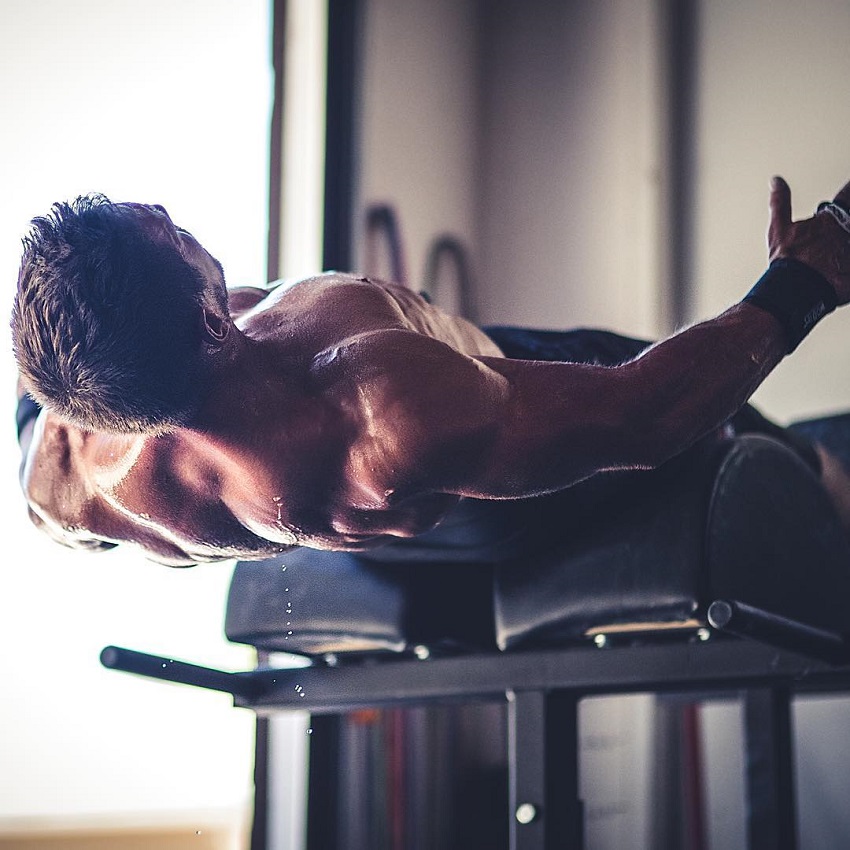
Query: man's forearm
[(560, 422), (564, 422), (697, 379)]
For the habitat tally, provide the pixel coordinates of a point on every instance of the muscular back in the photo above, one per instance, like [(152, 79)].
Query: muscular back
[(321, 312), (344, 412), (295, 446)]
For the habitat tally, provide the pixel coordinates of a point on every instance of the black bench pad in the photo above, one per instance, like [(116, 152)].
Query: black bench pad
[(743, 519)]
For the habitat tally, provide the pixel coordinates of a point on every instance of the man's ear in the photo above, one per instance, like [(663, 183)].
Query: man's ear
[(216, 327)]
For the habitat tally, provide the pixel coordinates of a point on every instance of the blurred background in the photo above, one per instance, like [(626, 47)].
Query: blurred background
[(607, 165), (600, 164)]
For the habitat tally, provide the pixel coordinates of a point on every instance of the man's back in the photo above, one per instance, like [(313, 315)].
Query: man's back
[(340, 413), (282, 453)]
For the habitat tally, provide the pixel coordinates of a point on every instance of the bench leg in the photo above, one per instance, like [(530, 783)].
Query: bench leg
[(545, 812), (324, 779), (771, 803)]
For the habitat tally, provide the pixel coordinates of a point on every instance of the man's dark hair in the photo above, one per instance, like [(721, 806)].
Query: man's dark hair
[(106, 325)]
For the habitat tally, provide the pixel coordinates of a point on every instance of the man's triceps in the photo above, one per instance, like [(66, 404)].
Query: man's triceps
[(548, 426)]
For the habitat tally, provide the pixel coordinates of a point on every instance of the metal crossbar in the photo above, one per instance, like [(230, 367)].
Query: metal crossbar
[(543, 688)]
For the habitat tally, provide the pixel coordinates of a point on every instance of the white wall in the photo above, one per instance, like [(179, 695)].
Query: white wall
[(570, 160), (164, 101), (507, 124), (771, 99), (418, 118)]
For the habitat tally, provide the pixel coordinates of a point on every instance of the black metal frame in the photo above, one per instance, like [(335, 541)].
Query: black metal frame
[(543, 688), (771, 810), (343, 41)]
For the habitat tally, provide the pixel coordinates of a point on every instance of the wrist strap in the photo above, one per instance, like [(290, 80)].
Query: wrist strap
[(797, 295)]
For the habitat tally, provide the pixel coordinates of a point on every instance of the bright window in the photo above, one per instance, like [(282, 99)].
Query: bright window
[(163, 101)]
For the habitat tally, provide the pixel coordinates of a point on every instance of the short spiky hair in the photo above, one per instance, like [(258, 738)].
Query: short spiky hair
[(106, 324)]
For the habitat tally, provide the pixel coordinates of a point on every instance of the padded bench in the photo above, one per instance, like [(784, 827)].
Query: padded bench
[(666, 570), (743, 520)]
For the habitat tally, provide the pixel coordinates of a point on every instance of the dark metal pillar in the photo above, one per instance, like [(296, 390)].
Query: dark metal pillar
[(545, 812), (324, 783), (273, 258), (341, 129), (771, 804), (679, 25), (260, 819)]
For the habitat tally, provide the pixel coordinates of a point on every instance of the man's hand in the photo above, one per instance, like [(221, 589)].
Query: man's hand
[(819, 242)]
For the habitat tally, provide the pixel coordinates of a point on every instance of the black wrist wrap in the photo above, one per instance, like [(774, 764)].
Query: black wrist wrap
[(796, 294)]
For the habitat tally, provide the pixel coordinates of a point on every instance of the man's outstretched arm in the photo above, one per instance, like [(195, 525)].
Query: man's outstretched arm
[(543, 426)]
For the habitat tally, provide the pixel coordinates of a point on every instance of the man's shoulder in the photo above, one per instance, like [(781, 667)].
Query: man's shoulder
[(402, 376), (240, 299), (387, 350), (62, 452)]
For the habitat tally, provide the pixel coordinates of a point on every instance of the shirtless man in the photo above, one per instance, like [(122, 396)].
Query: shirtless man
[(340, 413)]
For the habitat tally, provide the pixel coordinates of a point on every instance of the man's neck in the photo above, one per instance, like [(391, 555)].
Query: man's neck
[(246, 380)]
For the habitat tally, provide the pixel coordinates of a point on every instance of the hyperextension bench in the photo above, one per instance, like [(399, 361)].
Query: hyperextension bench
[(723, 571)]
